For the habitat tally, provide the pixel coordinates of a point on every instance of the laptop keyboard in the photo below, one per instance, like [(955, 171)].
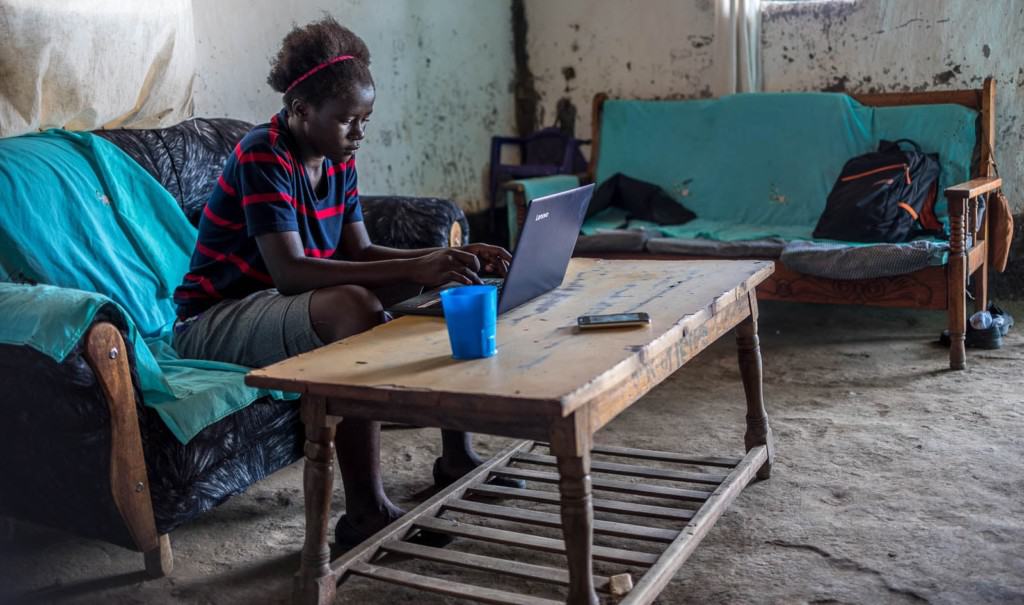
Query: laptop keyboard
[(497, 282)]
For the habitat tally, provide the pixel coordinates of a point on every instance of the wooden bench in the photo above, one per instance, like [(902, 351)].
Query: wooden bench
[(938, 287)]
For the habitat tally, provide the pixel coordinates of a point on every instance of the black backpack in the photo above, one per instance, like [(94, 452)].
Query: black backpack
[(884, 196)]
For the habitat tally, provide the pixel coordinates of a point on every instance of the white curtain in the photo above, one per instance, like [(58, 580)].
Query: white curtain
[(86, 64), (736, 52)]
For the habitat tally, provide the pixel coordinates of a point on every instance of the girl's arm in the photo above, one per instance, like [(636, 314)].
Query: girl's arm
[(293, 272), (356, 245)]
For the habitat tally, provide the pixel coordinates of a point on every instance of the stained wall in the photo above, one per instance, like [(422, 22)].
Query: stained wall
[(632, 48), (662, 48), (910, 45)]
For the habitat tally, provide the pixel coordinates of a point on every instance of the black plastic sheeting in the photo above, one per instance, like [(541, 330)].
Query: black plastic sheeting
[(55, 434), (224, 459), (187, 159), (406, 222)]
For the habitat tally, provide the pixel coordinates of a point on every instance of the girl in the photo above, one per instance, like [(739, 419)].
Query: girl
[(283, 263)]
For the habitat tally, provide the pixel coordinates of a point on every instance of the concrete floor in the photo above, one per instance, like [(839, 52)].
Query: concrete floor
[(896, 482)]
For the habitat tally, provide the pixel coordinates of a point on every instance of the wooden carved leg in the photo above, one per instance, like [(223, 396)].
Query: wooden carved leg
[(315, 584), (570, 443), (956, 287), (749, 353), (160, 560), (129, 481)]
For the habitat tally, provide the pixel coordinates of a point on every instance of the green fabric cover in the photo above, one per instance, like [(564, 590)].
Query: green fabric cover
[(81, 215), (49, 319), (762, 164), (533, 189)]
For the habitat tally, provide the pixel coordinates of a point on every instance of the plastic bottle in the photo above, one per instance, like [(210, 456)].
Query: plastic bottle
[(982, 320)]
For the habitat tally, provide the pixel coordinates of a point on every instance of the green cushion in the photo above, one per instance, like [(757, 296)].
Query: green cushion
[(762, 164)]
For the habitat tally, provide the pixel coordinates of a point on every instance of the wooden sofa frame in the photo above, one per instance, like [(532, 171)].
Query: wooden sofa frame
[(942, 287), (107, 355)]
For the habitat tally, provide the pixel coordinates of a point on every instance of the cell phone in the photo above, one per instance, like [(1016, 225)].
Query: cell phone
[(616, 320)]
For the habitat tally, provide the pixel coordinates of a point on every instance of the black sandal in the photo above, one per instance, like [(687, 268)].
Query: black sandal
[(990, 338), (348, 536), (442, 481)]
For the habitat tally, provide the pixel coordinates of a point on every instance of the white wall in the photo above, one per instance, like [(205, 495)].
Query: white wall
[(442, 68)]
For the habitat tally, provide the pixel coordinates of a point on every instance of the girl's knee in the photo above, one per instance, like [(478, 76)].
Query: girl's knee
[(340, 311)]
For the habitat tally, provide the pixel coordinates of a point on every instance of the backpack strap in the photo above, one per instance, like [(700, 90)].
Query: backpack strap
[(914, 144)]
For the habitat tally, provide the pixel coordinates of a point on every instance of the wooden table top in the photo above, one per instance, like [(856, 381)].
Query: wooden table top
[(544, 364)]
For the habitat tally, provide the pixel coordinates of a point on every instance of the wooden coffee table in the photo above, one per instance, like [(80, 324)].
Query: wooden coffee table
[(555, 387)]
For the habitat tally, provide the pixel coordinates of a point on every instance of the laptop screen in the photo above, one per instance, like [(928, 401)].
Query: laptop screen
[(545, 246)]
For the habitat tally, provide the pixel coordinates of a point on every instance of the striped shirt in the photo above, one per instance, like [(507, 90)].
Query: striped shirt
[(263, 189)]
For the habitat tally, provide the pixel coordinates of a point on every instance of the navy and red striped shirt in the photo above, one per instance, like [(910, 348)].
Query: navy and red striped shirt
[(263, 189)]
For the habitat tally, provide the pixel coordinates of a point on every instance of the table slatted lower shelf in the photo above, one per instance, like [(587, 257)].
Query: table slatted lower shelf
[(642, 535)]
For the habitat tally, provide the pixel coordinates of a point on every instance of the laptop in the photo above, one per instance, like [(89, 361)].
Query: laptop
[(541, 256)]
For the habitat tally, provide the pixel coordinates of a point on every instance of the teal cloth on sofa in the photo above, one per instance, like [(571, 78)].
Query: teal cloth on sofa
[(533, 189), (762, 164), (81, 215), (50, 319)]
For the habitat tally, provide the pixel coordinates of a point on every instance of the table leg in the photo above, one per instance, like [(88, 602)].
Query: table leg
[(749, 353), (315, 584), (570, 443)]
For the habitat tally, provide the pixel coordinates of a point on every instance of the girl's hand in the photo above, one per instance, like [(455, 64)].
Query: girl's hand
[(445, 265), (493, 259)]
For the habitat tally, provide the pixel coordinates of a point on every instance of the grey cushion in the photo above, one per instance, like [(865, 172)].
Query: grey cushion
[(757, 248), (624, 240), (839, 261)]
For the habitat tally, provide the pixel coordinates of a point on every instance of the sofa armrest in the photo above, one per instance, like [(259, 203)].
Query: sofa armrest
[(969, 217), (414, 222), (973, 188), (71, 453), (51, 319), (968, 255), (966, 230), (107, 355)]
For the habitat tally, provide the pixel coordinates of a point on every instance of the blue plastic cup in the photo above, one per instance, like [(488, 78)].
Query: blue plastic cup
[(471, 313)]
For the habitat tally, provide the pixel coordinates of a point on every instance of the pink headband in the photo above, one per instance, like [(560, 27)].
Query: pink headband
[(327, 63)]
